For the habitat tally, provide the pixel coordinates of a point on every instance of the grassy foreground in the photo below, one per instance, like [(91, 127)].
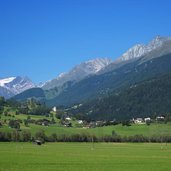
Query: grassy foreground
[(85, 157)]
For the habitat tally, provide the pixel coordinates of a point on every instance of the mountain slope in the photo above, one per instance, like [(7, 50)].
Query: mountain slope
[(149, 98), (78, 73), (36, 93), (140, 50), (120, 78), (5, 92), (159, 46), (14, 85), (124, 72)]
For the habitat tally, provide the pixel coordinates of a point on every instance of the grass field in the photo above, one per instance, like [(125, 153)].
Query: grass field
[(85, 157), (153, 129)]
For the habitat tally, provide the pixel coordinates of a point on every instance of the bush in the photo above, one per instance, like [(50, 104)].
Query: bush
[(40, 135), (26, 136), (15, 136), (14, 124), (126, 123)]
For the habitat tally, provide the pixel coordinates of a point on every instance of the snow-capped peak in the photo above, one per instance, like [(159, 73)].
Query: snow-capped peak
[(6, 80), (156, 42), (141, 49), (95, 65), (15, 85), (134, 52), (62, 74), (79, 72)]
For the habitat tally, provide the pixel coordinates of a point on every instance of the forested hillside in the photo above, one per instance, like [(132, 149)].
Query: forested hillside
[(121, 78), (149, 98)]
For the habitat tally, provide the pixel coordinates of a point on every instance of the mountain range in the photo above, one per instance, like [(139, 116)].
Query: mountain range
[(101, 77), (78, 73), (125, 71), (141, 49), (14, 85)]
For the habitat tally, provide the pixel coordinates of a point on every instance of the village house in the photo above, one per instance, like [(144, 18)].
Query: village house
[(160, 118), (37, 142), (43, 122), (54, 109), (100, 123), (80, 122), (68, 119), (147, 119), (92, 124), (138, 121)]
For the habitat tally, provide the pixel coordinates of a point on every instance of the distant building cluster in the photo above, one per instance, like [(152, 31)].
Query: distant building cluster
[(148, 119)]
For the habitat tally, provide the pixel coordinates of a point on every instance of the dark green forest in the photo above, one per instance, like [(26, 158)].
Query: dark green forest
[(149, 98)]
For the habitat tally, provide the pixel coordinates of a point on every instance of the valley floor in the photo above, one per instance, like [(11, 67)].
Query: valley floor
[(85, 157)]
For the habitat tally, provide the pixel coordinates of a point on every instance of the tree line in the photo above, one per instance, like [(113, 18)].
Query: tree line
[(25, 136), (30, 106)]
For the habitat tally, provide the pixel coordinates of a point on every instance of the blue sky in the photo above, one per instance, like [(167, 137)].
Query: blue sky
[(42, 38)]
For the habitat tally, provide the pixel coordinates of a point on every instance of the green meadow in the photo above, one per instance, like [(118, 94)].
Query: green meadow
[(134, 129), (152, 130), (85, 157)]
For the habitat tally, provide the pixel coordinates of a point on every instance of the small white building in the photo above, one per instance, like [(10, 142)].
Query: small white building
[(147, 119), (160, 118), (80, 121), (54, 109), (138, 121), (68, 118)]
